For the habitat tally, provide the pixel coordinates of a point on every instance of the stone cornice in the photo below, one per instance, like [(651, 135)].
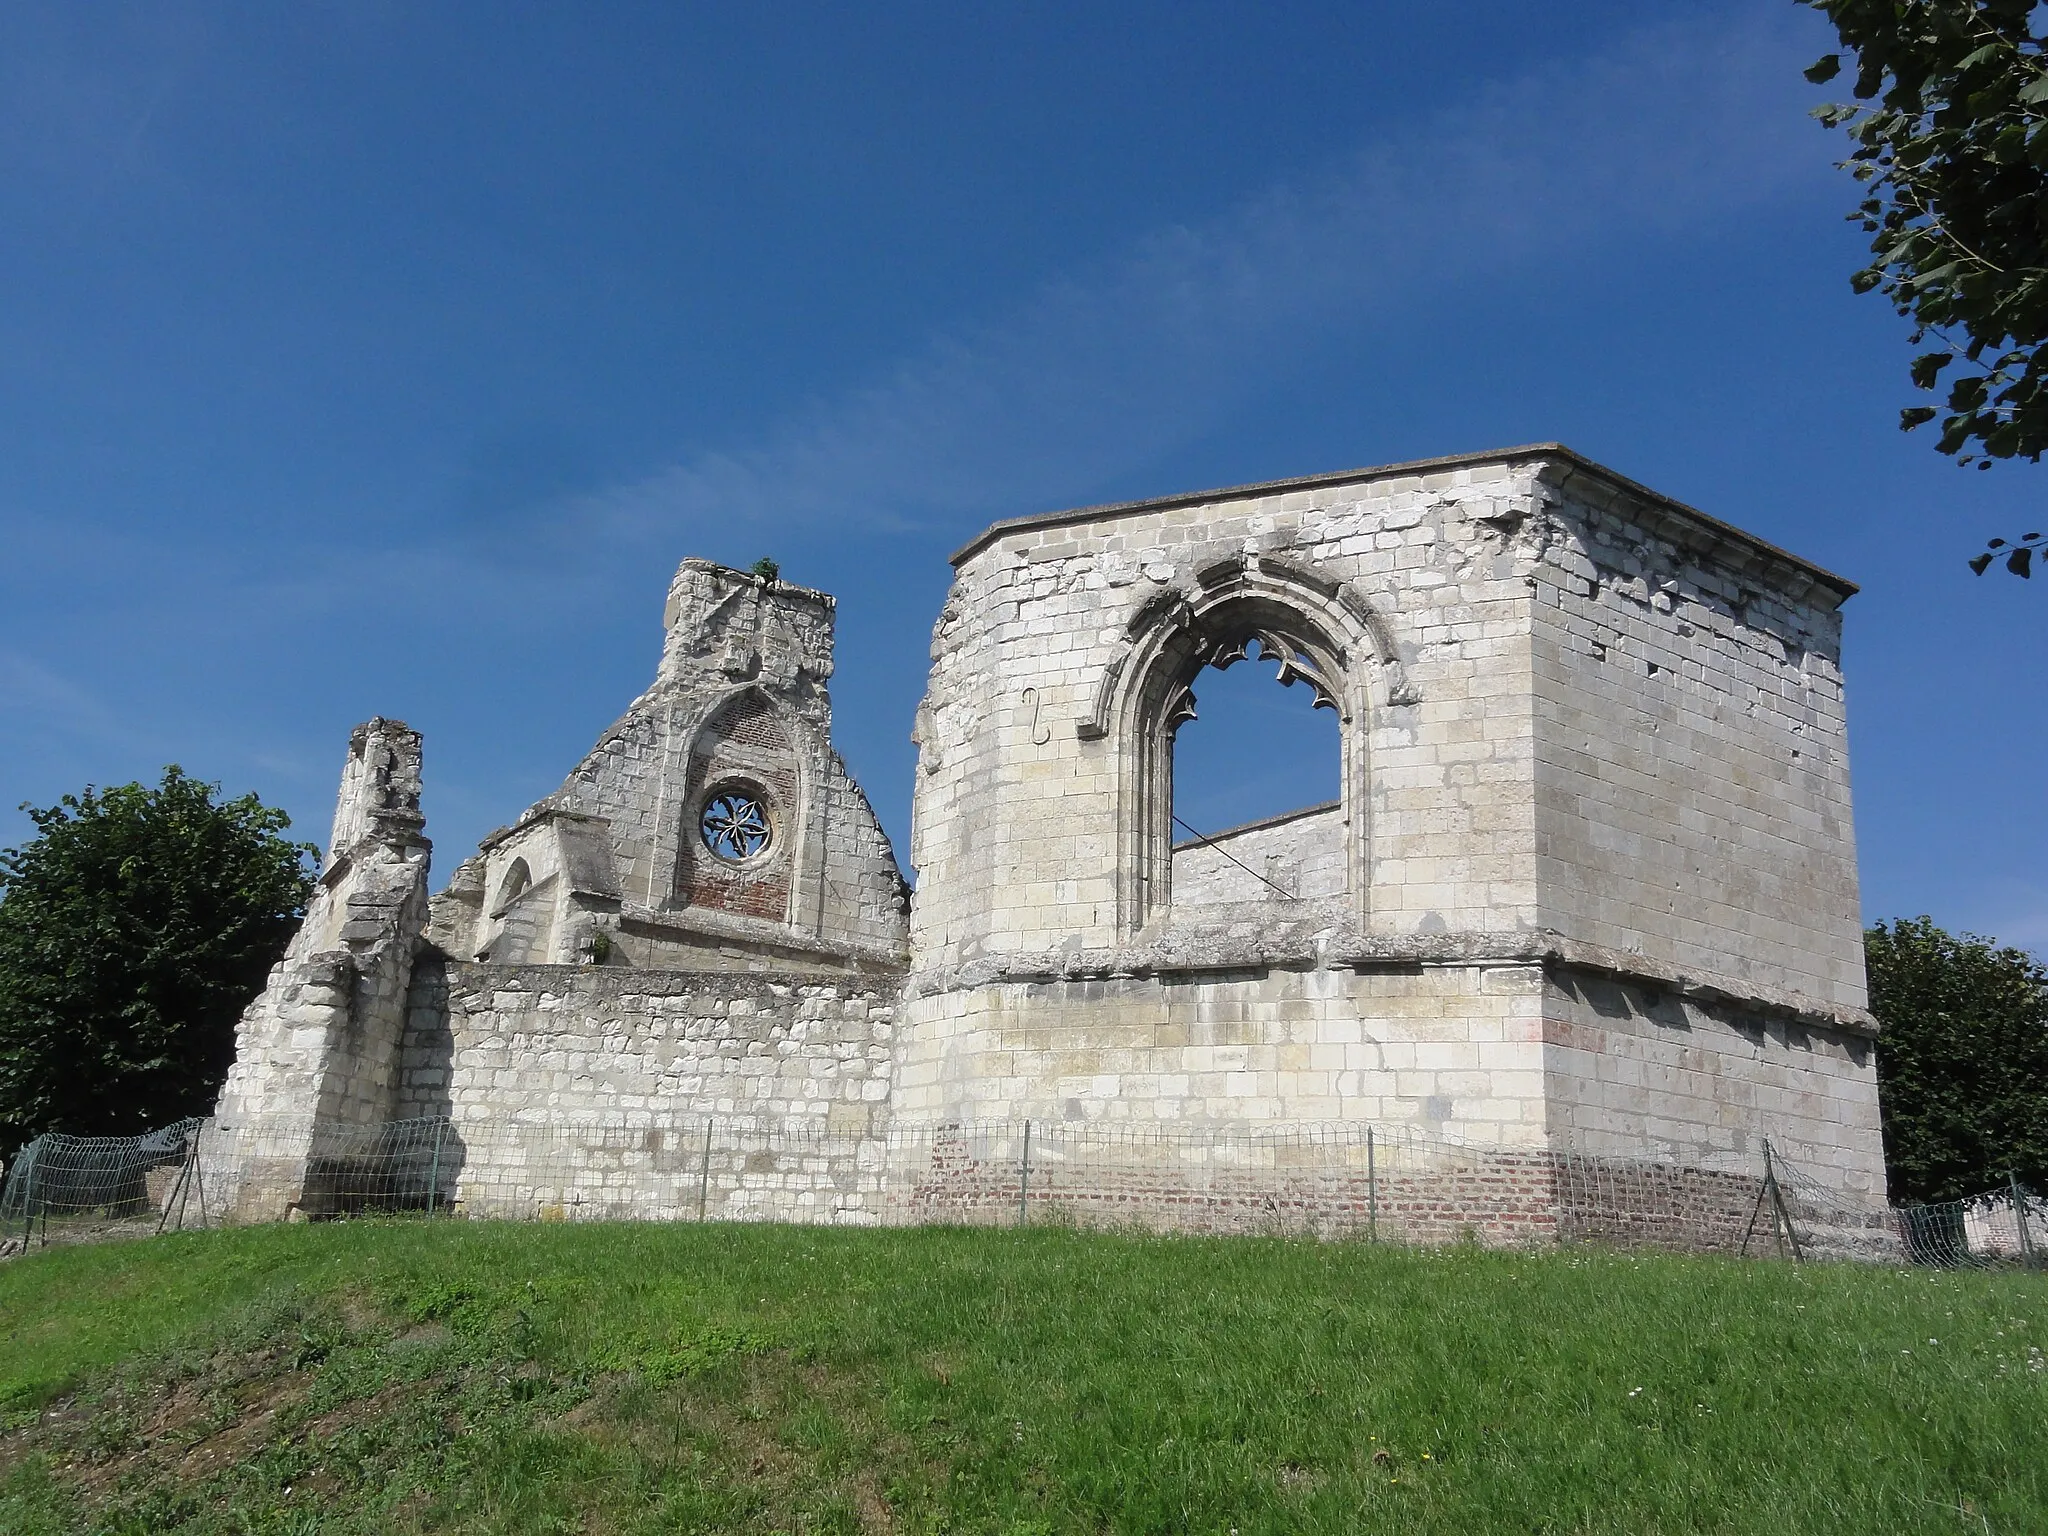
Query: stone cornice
[(1171, 956), (1713, 528)]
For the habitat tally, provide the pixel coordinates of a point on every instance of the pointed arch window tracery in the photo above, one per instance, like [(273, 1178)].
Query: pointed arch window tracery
[(1319, 634)]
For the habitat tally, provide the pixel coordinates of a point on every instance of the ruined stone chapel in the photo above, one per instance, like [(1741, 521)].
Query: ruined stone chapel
[(1589, 883)]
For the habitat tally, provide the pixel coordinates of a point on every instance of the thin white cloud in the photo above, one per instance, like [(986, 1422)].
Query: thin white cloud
[(1677, 127), (48, 720), (29, 690)]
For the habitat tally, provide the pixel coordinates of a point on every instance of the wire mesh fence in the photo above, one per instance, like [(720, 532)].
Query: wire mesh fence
[(99, 1185), (1343, 1181)]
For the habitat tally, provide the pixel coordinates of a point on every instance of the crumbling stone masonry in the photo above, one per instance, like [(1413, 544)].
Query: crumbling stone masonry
[(1589, 886), (321, 1045)]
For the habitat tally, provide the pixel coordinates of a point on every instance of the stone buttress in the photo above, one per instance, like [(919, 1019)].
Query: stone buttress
[(320, 1047)]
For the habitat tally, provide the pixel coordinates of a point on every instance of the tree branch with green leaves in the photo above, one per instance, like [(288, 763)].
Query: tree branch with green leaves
[(1950, 141)]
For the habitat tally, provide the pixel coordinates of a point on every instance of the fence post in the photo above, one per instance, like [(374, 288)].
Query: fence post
[(1372, 1191), (434, 1173), (28, 1195), (1770, 1192), (2019, 1210), (704, 1172), (1779, 1214), (178, 1190), (198, 1178), (1024, 1179)]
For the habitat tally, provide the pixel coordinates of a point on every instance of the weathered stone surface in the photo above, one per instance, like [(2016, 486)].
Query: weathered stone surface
[(1589, 889), (1584, 728), (321, 1045), (739, 703)]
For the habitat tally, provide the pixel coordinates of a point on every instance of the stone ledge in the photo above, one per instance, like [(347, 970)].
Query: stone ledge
[(707, 924), (476, 976), (1196, 956)]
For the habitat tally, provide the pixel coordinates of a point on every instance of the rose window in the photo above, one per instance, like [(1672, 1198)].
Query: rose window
[(735, 826)]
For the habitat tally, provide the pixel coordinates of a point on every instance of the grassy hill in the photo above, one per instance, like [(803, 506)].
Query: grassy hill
[(457, 1376)]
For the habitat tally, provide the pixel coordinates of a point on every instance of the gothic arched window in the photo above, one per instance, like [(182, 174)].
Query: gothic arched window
[(1313, 632)]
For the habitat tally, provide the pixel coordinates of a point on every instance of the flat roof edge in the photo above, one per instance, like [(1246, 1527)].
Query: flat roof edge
[(1502, 456)]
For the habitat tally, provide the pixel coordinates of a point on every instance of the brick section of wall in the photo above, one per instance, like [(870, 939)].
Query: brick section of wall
[(750, 722), (1501, 1199)]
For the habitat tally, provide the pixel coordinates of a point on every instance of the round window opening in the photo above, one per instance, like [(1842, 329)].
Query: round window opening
[(735, 825)]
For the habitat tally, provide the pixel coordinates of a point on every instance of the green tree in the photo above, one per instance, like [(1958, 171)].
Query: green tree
[(134, 929), (1962, 1060), (1952, 150)]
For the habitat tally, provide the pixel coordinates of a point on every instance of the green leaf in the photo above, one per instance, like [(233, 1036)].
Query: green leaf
[(1927, 365), (1962, 1059), (1984, 55), (1824, 69)]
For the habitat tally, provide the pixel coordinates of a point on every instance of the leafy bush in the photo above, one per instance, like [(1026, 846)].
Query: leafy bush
[(1962, 1060), (133, 931)]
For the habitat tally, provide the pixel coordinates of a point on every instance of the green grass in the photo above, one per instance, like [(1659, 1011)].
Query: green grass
[(459, 1376)]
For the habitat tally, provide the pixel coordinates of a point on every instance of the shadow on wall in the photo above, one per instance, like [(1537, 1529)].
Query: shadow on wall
[(401, 1165)]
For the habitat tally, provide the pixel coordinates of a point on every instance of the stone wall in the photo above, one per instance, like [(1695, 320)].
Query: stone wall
[(1588, 892), (321, 1044), (1026, 818), (1692, 762), (1451, 1049), (739, 705), (598, 1044), (1299, 854), (1636, 1070), (1584, 728), (596, 1091)]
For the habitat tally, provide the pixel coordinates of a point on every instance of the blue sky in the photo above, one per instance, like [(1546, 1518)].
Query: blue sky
[(372, 358)]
